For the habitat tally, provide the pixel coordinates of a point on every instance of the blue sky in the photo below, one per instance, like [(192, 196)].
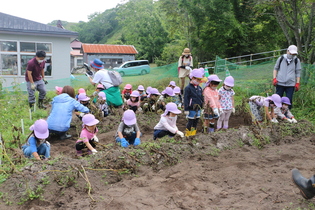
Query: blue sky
[(47, 11)]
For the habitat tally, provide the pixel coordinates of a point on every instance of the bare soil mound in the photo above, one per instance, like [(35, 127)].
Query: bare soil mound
[(245, 167)]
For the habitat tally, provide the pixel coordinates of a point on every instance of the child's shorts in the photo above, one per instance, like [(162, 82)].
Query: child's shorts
[(193, 114), (210, 116)]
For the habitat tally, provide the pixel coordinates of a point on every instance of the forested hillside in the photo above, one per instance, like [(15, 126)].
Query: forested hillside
[(160, 29)]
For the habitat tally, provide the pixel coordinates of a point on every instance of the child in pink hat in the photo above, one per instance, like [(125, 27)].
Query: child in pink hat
[(226, 98), (142, 92), (37, 147), (85, 101), (167, 96), (172, 84), (58, 90), (102, 105), (177, 97), (128, 130), (98, 89), (125, 94), (149, 103), (88, 136), (133, 102), (167, 123), (81, 90)]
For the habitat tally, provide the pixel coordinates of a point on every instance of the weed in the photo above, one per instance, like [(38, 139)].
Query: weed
[(45, 180), (214, 151), (240, 143)]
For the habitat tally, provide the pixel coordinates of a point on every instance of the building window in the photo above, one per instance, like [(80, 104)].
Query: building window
[(14, 56), (8, 64)]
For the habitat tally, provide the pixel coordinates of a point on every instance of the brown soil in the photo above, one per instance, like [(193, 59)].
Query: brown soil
[(245, 167)]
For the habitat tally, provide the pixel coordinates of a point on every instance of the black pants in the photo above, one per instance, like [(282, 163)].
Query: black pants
[(162, 133), (81, 145)]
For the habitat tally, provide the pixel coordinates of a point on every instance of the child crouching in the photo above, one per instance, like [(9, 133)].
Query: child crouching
[(284, 112), (88, 135)]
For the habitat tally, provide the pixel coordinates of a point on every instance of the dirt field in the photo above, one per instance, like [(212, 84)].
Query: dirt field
[(224, 170)]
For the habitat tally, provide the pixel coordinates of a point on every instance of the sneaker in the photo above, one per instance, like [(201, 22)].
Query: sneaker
[(65, 136)]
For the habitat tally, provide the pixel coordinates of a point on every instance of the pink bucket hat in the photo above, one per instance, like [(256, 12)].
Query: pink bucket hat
[(140, 87), (81, 90), (172, 83), (59, 89), (213, 77), (40, 128), (129, 117), (89, 120), (276, 99), (229, 81), (135, 93), (100, 86), (128, 86), (101, 95), (83, 97), (148, 89), (169, 91), (196, 73), (177, 89), (171, 107), (154, 91)]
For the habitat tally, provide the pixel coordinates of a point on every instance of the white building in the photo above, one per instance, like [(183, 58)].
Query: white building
[(20, 39)]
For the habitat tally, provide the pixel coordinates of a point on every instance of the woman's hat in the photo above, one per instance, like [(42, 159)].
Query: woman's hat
[(276, 99), (176, 89), (128, 86), (285, 100), (101, 95), (129, 117), (186, 51), (40, 128), (89, 120), (81, 90), (171, 107), (229, 81), (100, 86), (172, 83), (140, 87), (59, 89), (83, 97), (169, 91), (97, 63)]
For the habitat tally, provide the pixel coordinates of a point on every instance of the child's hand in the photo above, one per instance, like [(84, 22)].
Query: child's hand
[(293, 120), (124, 142), (137, 142), (186, 113), (95, 138), (181, 134), (233, 110), (93, 151)]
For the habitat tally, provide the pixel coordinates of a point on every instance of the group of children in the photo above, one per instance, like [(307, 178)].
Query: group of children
[(212, 103)]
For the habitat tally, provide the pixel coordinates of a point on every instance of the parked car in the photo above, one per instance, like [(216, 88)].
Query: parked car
[(134, 67)]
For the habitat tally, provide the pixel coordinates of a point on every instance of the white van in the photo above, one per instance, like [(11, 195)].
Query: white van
[(134, 67)]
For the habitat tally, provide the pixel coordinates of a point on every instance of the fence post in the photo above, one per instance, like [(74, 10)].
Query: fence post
[(251, 58)]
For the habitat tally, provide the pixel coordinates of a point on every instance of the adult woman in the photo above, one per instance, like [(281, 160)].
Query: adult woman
[(101, 76), (185, 64), (60, 116)]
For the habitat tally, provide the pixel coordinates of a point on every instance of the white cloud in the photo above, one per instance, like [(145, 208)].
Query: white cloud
[(47, 11)]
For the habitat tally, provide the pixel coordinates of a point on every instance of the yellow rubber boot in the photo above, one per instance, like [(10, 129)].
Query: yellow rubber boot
[(193, 131), (187, 132)]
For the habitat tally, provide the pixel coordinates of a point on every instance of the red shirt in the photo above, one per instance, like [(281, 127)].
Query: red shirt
[(36, 69)]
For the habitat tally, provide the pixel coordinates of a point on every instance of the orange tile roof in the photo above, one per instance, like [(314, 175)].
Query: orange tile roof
[(109, 49), (76, 53)]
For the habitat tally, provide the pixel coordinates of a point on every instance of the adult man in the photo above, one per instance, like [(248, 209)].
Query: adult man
[(286, 73), (185, 64), (101, 76), (34, 76)]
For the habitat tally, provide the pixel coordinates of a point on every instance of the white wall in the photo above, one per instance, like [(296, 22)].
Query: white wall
[(60, 57)]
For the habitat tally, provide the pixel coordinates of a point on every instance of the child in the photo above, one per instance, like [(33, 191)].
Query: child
[(166, 94), (212, 104), (85, 101), (125, 94), (88, 135), (128, 131), (177, 97), (284, 112), (81, 90), (133, 102), (36, 145), (98, 89), (193, 101), (102, 105), (142, 93), (58, 90), (149, 103), (148, 90), (167, 123), (226, 95), (256, 102), (172, 84)]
